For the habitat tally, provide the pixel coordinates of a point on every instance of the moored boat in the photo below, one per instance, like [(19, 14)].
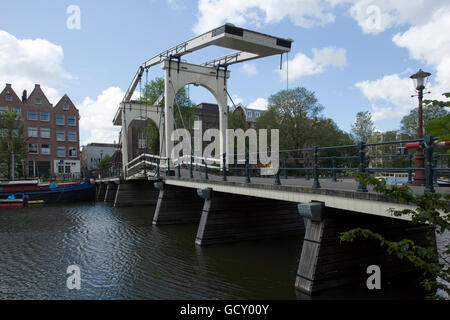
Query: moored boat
[(34, 191)]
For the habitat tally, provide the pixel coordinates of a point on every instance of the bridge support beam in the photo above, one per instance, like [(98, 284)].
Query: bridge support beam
[(177, 205), (325, 262), (111, 191), (135, 193), (101, 190), (229, 217)]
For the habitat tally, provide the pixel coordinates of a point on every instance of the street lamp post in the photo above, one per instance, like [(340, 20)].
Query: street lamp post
[(420, 80)]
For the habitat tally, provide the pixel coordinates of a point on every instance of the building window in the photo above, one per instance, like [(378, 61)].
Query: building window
[(15, 133), (257, 114), (60, 135), (61, 152), (45, 149), (72, 152), (33, 148), (60, 169), (9, 97), (18, 112), (32, 115), (65, 106), (71, 120), (45, 133), (37, 101), (60, 119), (72, 136), (32, 132), (249, 114), (67, 167), (45, 116), (3, 109)]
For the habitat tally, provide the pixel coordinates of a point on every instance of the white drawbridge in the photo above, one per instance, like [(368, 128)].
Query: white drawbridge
[(212, 75)]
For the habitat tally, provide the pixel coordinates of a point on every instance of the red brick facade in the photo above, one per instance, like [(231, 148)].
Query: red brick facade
[(53, 132)]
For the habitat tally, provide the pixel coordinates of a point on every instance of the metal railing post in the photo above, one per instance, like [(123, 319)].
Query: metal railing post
[(224, 168), (157, 168), (206, 170), (277, 178), (285, 168), (247, 168), (362, 169), (435, 164), (410, 161), (316, 183), (428, 164), (307, 169), (334, 178), (179, 168), (168, 167), (191, 174)]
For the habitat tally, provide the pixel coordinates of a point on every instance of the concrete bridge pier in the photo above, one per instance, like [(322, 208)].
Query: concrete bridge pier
[(325, 262), (177, 205), (229, 217), (111, 191), (135, 193)]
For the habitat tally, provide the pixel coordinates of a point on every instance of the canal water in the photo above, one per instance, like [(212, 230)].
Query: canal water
[(121, 255)]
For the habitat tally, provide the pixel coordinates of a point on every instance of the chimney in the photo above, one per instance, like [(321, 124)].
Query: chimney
[(24, 96), (8, 85), (37, 85)]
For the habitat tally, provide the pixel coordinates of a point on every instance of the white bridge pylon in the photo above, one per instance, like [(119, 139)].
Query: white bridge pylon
[(212, 75)]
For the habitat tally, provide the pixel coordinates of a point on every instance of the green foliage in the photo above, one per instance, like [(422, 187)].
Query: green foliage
[(440, 127), (153, 90), (431, 110), (363, 127), (431, 208), (152, 134), (11, 140), (236, 121), (103, 163), (296, 113)]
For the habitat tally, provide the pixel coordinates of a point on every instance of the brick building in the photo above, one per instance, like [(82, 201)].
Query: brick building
[(52, 132)]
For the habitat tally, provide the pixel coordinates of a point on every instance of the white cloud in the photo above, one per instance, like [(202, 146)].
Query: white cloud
[(259, 104), (303, 13), (250, 69), (376, 16), (428, 43), (301, 65), (25, 62), (96, 117), (390, 96)]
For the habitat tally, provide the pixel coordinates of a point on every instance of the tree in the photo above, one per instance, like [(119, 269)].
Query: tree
[(184, 110), (152, 134), (103, 163), (432, 209), (439, 127), (430, 111), (363, 127), (11, 142)]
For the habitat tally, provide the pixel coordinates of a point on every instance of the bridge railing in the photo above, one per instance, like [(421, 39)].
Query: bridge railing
[(312, 163)]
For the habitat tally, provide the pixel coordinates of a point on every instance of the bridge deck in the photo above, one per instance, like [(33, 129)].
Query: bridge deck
[(341, 194)]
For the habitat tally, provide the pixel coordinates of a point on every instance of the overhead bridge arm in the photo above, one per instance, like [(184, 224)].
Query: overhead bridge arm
[(251, 45)]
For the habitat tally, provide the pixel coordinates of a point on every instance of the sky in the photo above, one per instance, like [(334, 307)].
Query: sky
[(356, 55)]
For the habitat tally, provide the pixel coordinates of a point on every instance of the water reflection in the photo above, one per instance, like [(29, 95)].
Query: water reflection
[(123, 256)]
